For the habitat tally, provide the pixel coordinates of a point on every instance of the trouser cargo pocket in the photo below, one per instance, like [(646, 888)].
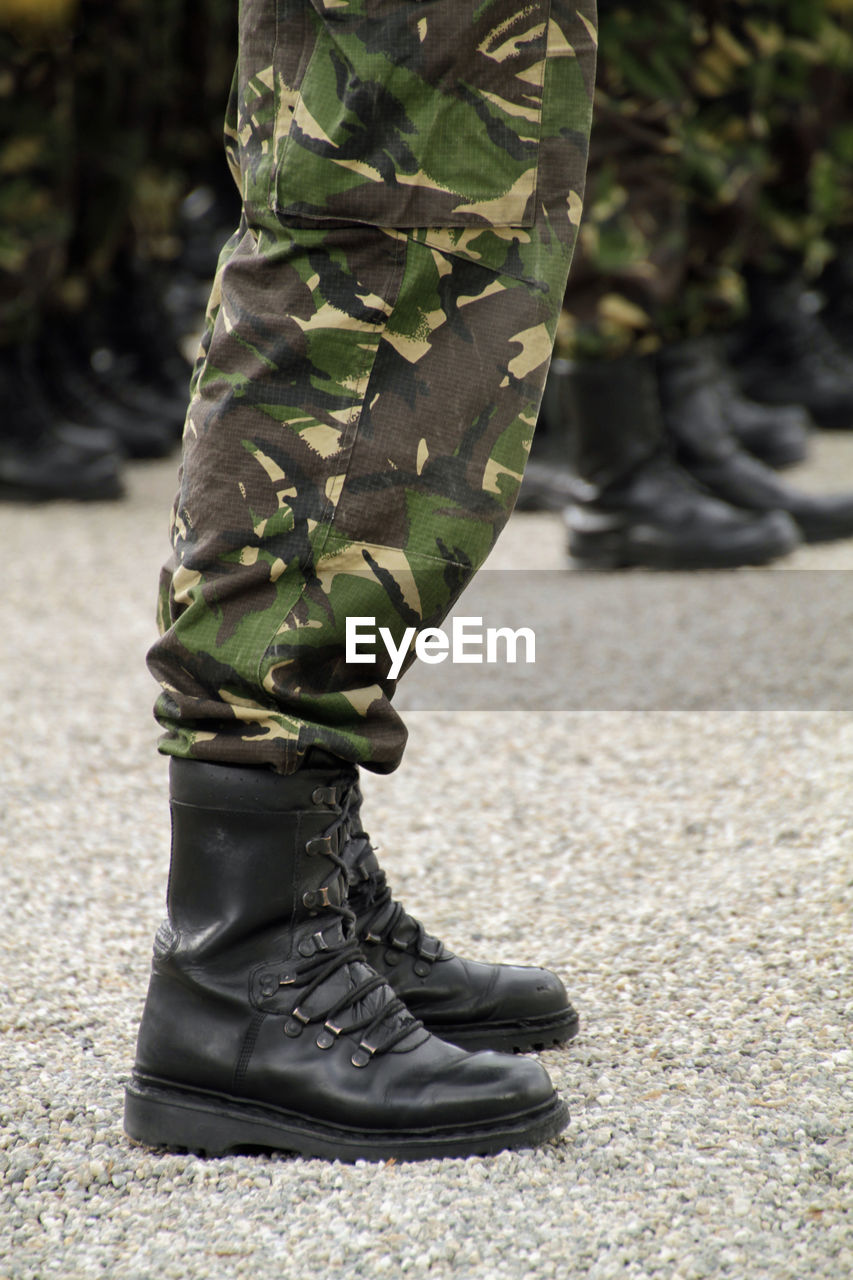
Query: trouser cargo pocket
[(407, 114)]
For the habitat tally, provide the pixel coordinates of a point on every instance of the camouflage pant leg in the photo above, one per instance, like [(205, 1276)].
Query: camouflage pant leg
[(721, 143), (800, 89), (367, 392), (635, 281)]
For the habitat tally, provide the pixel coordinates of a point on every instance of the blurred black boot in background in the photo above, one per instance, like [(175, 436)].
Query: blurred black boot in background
[(777, 435), (43, 457), (78, 392), (696, 418), (836, 288), (786, 354), (133, 348), (633, 504)]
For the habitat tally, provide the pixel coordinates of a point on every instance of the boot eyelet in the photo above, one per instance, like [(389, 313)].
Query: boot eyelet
[(317, 898), (421, 968), (363, 1054), (296, 1023), (392, 957), (306, 948), (328, 1035), (319, 846)]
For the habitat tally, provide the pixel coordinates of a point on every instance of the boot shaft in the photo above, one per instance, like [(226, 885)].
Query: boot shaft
[(694, 401), (251, 851), (613, 418), (257, 891)]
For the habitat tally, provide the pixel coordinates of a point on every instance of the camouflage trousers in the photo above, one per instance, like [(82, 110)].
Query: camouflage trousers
[(378, 337)]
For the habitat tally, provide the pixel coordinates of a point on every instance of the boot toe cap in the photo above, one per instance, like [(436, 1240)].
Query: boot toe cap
[(524, 991), (488, 1085)]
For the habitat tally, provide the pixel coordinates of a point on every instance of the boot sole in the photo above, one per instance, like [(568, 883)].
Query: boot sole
[(815, 531), (96, 489), (826, 419), (529, 1034), (615, 553), (779, 458), (166, 1115)]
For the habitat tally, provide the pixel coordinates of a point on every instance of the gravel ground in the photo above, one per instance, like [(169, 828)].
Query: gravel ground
[(689, 873)]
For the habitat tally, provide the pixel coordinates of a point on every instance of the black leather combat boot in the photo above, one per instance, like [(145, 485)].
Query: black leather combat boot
[(43, 457), (265, 1027), (836, 287), (634, 505), (777, 435), (695, 414), (77, 391), (787, 355), (137, 328), (474, 1005)]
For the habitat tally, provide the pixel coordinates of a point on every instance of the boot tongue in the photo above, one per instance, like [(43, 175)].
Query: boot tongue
[(362, 865), (369, 896), (380, 918), (370, 1005), (378, 915)]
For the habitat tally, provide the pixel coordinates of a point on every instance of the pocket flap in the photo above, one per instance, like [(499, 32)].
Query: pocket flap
[(412, 114)]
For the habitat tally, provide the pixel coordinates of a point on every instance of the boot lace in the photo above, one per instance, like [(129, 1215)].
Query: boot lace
[(381, 918), (381, 1026)]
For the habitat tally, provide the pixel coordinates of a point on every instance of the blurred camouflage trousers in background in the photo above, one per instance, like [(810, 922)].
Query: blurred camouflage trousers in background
[(104, 134), (706, 327), (103, 126), (35, 169), (722, 145), (378, 338)]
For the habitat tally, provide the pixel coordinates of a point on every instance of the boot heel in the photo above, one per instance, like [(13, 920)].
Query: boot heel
[(159, 1120), (604, 550)]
